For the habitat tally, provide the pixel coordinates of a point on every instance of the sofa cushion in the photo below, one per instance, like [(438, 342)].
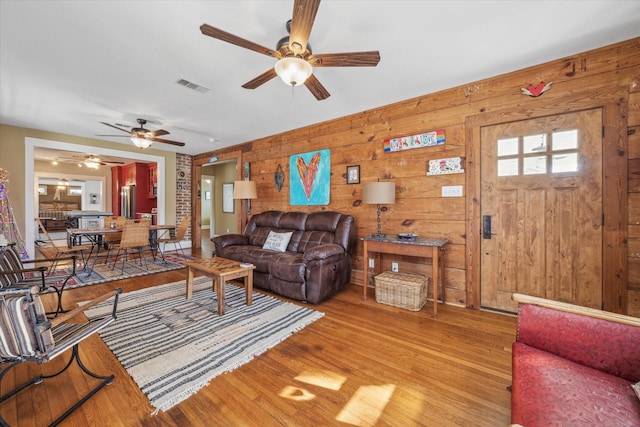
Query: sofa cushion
[(293, 221), (259, 236), (288, 266), (277, 241), (549, 390), (311, 239), (235, 252), (259, 257), (323, 221), (269, 219)]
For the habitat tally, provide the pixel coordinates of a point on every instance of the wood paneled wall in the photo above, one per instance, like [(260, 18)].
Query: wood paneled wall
[(578, 80)]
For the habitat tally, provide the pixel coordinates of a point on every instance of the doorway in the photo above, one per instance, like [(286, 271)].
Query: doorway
[(208, 205), (31, 181), (225, 169), (541, 210)]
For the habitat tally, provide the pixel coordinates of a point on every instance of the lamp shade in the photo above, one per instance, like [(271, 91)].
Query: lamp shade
[(379, 193), (141, 142), (293, 71), (244, 190)]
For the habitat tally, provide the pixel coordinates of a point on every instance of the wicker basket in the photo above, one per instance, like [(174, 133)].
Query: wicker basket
[(401, 290)]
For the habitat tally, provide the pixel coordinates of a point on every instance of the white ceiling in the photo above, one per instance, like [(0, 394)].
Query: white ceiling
[(65, 66)]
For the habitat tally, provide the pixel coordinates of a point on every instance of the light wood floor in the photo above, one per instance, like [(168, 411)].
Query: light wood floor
[(362, 364)]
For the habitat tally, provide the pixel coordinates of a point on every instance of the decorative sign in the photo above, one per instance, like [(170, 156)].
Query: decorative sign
[(446, 166), (537, 90), (428, 139), (310, 178)]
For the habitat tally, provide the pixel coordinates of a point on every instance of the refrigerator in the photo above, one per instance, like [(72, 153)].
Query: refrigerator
[(128, 202)]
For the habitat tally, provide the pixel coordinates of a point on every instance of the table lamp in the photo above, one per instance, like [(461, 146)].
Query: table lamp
[(379, 193), (245, 190)]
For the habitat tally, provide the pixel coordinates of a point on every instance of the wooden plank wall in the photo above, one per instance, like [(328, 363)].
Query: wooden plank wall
[(419, 208), (633, 133)]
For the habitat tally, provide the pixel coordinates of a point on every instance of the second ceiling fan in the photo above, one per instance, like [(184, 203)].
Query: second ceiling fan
[(295, 59), (143, 138)]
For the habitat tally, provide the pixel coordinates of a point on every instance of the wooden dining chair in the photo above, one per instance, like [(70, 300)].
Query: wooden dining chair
[(59, 251), (111, 240), (181, 231), (135, 238)]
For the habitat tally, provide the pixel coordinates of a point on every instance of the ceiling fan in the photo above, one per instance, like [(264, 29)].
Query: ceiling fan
[(295, 59), (90, 160), (143, 138)]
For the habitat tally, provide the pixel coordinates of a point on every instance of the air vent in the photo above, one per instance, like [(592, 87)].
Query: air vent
[(190, 85)]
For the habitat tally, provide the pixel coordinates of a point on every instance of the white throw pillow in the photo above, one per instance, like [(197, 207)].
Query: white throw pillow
[(277, 241)]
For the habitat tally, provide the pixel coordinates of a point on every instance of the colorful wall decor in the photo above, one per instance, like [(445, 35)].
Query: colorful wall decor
[(310, 178), (446, 166), (428, 139)]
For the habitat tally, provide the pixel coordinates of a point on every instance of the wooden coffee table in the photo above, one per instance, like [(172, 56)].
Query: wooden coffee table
[(221, 270)]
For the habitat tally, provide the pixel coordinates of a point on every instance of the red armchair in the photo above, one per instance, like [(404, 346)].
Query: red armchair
[(574, 366)]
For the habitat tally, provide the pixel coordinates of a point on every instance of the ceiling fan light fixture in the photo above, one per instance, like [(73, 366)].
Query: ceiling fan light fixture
[(91, 164), (141, 142), (293, 71)]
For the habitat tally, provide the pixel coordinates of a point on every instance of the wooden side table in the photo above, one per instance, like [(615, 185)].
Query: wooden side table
[(419, 247), (220, 270)]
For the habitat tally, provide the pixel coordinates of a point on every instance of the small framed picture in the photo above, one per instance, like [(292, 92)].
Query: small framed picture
[(227, 197), (353, 174)]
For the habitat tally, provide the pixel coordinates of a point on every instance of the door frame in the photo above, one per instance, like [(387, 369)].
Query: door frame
[(212, 218), (613, 101), (196, 199)]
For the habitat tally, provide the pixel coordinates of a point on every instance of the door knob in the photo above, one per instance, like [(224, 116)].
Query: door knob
[(486, 227)]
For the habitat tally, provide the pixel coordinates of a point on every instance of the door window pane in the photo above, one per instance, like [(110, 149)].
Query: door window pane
[(566, 140), (508, 167), (564, 163), (507, 147), (534, 143), (535, 165)]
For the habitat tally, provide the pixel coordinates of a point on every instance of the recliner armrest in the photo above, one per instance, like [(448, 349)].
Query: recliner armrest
[(230, 240), (321, 252)]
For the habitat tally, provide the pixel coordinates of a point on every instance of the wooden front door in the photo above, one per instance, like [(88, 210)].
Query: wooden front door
[(541, 207)]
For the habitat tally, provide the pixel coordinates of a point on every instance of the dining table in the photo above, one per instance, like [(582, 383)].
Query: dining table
[(96, 237)]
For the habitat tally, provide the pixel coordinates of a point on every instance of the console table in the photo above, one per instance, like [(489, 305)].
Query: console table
[(421, 247)]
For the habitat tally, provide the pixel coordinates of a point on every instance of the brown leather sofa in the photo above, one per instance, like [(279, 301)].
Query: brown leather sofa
[(316, 263)]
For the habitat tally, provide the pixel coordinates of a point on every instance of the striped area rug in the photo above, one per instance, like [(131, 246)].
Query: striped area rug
[(172, 347)]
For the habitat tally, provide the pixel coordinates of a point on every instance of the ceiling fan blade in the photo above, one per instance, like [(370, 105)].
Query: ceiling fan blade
[(219, 34), (159, 132), (347, 59), (316, 88), (115, 127), (167, 141), (304, 13), (261, 79)]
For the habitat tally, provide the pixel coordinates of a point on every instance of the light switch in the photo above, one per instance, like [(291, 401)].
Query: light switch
[(452, 191)]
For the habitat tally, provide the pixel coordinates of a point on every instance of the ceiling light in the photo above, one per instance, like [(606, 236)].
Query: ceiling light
[(293, 70), (54, 163), (141, 142), (91, 164)]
